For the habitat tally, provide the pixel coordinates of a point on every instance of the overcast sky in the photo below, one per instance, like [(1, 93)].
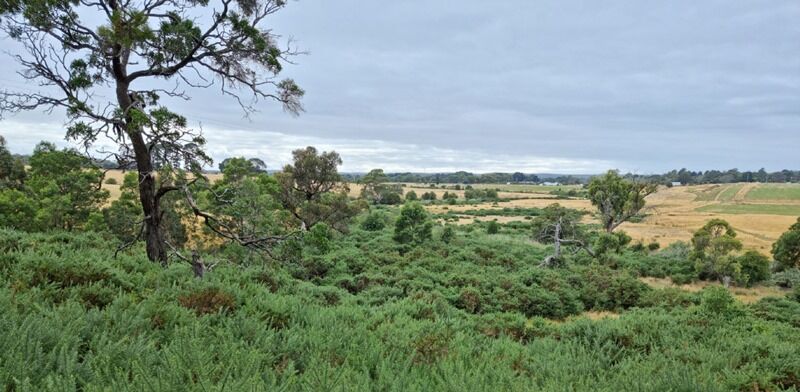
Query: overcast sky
[(534, 86)]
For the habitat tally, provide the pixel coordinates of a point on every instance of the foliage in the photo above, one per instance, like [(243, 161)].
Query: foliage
[(310, 189), (786, 250), (492, 227), (448, 234), (617, 199), (480, 194), (67, 189), (377, 191), (712, 247), (607, 243), (370, 318), (429, 196), (414, 226), (754, 268), (12, 169), (787, 278), (374, 221)]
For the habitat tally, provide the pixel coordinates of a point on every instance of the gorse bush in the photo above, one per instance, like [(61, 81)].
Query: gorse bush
[(353, 311)]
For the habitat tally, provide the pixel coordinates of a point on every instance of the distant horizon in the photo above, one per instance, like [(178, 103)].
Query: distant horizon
[(14, 148)]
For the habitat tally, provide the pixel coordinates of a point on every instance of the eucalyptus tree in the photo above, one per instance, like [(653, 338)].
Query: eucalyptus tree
[(111, 65), (617, 199)]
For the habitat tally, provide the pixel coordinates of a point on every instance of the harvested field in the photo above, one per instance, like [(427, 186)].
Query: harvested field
[(673, 214)]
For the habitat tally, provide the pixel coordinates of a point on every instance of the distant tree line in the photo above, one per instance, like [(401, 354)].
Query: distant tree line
[(683, 176), (463, 177), (688, 177)]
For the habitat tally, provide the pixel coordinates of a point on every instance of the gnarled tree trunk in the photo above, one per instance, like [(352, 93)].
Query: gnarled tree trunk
[(148, 197)]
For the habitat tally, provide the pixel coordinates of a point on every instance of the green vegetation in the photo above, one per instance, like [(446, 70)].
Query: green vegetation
[(617, 199), (729, 192), (767, 209), (786, 250), (361, 316), (774, 192), (506, 211), (291, 284), (710, 193)]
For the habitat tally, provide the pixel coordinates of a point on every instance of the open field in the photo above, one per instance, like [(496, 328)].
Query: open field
[(768, 209), (784, 192), (673, 214)]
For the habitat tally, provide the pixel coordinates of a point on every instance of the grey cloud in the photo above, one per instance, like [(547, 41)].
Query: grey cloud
[(646, 86)]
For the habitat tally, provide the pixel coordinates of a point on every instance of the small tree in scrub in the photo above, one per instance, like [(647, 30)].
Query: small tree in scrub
[(429, 196), (376, 190), (311, 190), (374, 221), (414, 226), (617, 199), (558, 225), (786, 250), (448, 234), (754, 268), (712, 247), (493, 227), (411, 196)]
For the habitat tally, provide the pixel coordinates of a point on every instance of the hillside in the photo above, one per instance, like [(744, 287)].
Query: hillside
[(476, 314)]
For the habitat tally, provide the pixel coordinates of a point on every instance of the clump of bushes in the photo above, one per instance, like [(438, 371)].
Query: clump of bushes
[(209, 300)]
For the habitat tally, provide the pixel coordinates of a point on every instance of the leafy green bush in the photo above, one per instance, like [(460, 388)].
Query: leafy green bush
[(778, 309), (492, 227), (754, 267), (374, 221)]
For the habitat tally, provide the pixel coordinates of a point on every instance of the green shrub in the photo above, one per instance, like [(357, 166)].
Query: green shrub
[(788, 278), (602, 288), (778, 309), (754, 267), (718, 300), (374, 221), (208, 300), (448, 234), (492, 227)]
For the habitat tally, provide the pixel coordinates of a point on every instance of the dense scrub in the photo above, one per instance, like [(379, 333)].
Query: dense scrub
[(475, 314)]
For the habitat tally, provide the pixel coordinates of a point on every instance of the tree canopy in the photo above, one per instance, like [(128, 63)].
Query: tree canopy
[(148, 53), (617, 199)]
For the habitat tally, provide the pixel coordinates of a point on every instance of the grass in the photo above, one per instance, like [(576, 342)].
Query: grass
[(765, 209), (729, 192), (775, 192), (708, 194)]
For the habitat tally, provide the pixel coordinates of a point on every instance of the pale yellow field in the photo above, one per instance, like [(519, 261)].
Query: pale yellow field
[(672, 213), (119, 176)]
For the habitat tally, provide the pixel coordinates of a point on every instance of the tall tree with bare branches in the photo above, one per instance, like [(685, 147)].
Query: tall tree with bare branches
[(137, 52)]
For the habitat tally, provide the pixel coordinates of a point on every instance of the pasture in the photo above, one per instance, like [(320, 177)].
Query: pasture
[(759, 212)]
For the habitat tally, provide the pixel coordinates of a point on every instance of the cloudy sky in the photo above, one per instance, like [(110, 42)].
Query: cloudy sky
[(535, 86)]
